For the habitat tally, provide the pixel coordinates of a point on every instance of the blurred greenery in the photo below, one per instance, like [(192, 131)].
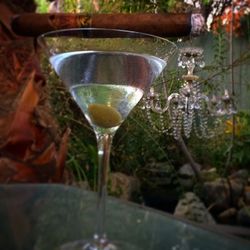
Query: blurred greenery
[(122, 6), (42, 6), (214, 152)]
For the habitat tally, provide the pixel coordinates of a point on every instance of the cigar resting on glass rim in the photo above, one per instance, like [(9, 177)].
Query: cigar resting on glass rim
[(164, 25)]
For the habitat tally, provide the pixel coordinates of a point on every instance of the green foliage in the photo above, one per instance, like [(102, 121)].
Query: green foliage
[(219, 68), (220, 48), (214, 152), (42, 6), (241, 147), (69, 6), (136, 143), (211, 152)]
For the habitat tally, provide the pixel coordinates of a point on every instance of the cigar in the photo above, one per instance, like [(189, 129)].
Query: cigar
[(164, 25)]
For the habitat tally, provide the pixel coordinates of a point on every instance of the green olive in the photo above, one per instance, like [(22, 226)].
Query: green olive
[(104, 116)]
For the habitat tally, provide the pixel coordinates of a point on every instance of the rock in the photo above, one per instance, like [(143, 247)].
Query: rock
[(227, 216), (187, 183), (123, 186), (187, 175), (240, 176), (192, 208), (243, 216), (209, 175), (81, 184), (223, 193), (247, 195), (237, 189), (217, 193), (187, 170), (157, 174)]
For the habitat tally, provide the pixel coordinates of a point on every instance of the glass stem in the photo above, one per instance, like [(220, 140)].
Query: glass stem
[(104, 143)]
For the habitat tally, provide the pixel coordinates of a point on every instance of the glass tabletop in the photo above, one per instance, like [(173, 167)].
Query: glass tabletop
[(45, 216)]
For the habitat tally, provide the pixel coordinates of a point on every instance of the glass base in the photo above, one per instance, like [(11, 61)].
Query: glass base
[(92, 245)]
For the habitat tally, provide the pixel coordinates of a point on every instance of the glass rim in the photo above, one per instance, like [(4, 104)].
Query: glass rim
[(122, 31)]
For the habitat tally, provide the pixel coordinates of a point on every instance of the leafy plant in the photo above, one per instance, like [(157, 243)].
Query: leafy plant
[(136, 143), (241, 149), (42, 6), (213, 153)]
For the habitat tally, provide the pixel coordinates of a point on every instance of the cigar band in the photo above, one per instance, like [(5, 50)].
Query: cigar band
[(197, 24)]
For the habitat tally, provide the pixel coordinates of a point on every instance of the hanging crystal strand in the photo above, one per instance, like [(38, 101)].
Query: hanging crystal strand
[(215, 106), (200, 104), (197, 124), (216, 112), (177, 123), (196, 89), (147, 106), (223, 106), (205, 131), (157, 106), (186, 93), (164, 87), (188, 122), (204, 125), (163, 127), (156, 103), (210, 132), (149, 118), (173, 108), (195, 127)]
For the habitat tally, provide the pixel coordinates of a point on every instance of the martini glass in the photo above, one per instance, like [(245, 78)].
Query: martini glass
[(106, 71)]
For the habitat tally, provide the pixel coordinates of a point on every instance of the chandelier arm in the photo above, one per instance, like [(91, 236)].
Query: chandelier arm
[(172, 96), (156, 109)]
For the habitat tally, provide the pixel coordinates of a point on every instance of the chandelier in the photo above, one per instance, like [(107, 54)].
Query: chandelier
[(189, 109)]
